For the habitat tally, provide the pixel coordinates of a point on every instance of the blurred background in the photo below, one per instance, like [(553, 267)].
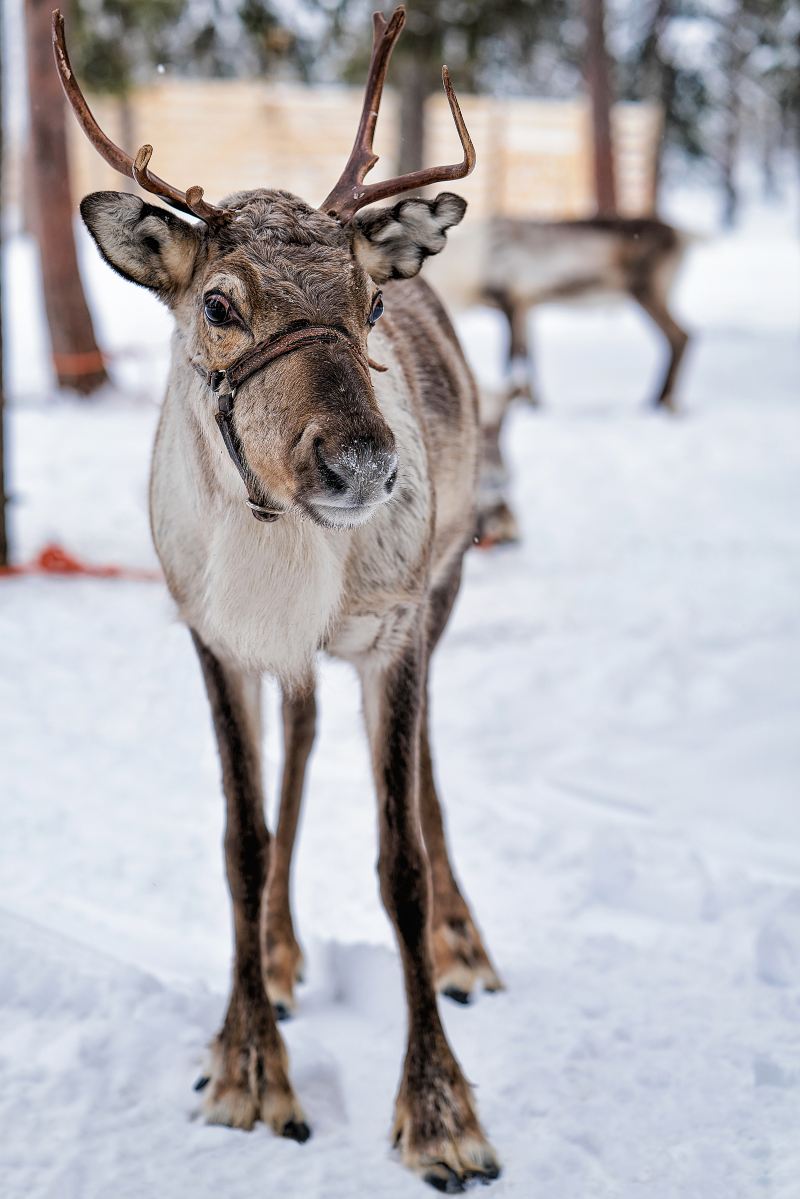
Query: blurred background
[(617, 700), (571, 116)]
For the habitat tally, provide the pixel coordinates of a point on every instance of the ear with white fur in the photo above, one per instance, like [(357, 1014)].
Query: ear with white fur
[(393, 243), (147, 245)]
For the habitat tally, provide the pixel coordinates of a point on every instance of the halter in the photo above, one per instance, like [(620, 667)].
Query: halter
[(225, 384)]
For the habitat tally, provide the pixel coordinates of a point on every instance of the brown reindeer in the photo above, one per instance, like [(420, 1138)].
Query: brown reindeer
[(517, 264), (358, 463)]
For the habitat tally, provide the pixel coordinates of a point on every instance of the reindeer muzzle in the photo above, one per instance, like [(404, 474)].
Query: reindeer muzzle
[(225, 384)]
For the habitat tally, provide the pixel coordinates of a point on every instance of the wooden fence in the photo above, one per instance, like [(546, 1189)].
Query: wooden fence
[(533, 155)]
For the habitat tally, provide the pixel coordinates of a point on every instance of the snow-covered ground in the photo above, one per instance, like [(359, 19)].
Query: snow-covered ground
[(617, 718)]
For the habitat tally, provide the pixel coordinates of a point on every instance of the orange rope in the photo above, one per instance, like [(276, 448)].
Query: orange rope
[(87, 363), (54, 560)]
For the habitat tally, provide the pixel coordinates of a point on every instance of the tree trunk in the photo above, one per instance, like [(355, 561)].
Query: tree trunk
[(3, 527), (413, 83), (656, 83), (77, 361), (598, 80), (770, 130), (733, 59)]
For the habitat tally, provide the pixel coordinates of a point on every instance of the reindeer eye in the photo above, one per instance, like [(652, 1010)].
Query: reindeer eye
[(377, 309), (217, 309)]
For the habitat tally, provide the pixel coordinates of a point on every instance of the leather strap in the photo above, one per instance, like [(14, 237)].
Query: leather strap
[(225, 383)]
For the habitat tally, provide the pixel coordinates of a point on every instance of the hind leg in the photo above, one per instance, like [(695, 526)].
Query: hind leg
[(677, 340), (460, 958), (520, 384), (436, 1125)]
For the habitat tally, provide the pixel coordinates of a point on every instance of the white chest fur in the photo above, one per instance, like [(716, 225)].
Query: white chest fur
[(270, 594)]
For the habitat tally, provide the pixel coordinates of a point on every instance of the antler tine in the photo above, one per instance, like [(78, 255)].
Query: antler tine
[(423, 178), (362, 158), (191, 202), (351, 193)]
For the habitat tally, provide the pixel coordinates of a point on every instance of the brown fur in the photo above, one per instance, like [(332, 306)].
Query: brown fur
[(371, 581), (632, 256), (532, 262)]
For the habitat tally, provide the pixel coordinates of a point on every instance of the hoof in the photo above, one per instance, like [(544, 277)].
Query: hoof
[(284, 968), (525, 395), (496, 525), (488, 1175), (462, 997), (461, 961), (247, 1081), (443, 1179), (445, 1145), (296, 1130)]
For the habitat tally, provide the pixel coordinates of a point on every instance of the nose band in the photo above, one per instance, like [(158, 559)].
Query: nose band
[(225, 383)]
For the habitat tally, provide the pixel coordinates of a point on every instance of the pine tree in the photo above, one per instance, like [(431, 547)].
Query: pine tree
[(721, 70)]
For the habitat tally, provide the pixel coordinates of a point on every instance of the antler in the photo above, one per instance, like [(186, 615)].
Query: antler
[(350, 192), (191, 202)]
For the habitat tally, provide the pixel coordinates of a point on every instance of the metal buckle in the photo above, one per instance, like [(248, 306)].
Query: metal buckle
[(225, 405)]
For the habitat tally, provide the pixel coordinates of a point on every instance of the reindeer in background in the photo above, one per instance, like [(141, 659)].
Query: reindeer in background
[(516, 264), (312, 488)]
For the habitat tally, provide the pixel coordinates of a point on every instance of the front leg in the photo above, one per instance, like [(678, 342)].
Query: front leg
[(436, 1126), (247, 1077), (283, 958)]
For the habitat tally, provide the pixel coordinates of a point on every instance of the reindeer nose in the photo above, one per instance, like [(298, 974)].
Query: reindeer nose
[(356, 474)]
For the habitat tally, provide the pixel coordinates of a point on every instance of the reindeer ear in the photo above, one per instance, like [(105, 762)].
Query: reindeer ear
[(393, 243), (147, 245)]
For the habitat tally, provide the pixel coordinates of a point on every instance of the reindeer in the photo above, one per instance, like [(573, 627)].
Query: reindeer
[(357, 459), (516, 264)]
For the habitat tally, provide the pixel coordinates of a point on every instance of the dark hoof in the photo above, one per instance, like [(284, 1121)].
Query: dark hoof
[(487, 1175), (443, 1179), (296, 1130), (202, 1083), (281, 1011), (462, 997)]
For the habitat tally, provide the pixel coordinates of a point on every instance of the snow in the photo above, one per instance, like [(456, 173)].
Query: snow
[(616, 707)]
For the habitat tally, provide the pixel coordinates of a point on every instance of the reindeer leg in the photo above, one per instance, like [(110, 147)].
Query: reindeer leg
[(459, 957), (247, 1078), (435, 1125), (283, 958), (495, 522), (519, 363), (676, 336)]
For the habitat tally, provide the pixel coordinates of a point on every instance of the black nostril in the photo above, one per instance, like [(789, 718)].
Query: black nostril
[(359, 471), (334, 482)]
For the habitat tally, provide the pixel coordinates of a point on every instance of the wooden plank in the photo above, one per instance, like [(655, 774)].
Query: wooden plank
[(533, 155)]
